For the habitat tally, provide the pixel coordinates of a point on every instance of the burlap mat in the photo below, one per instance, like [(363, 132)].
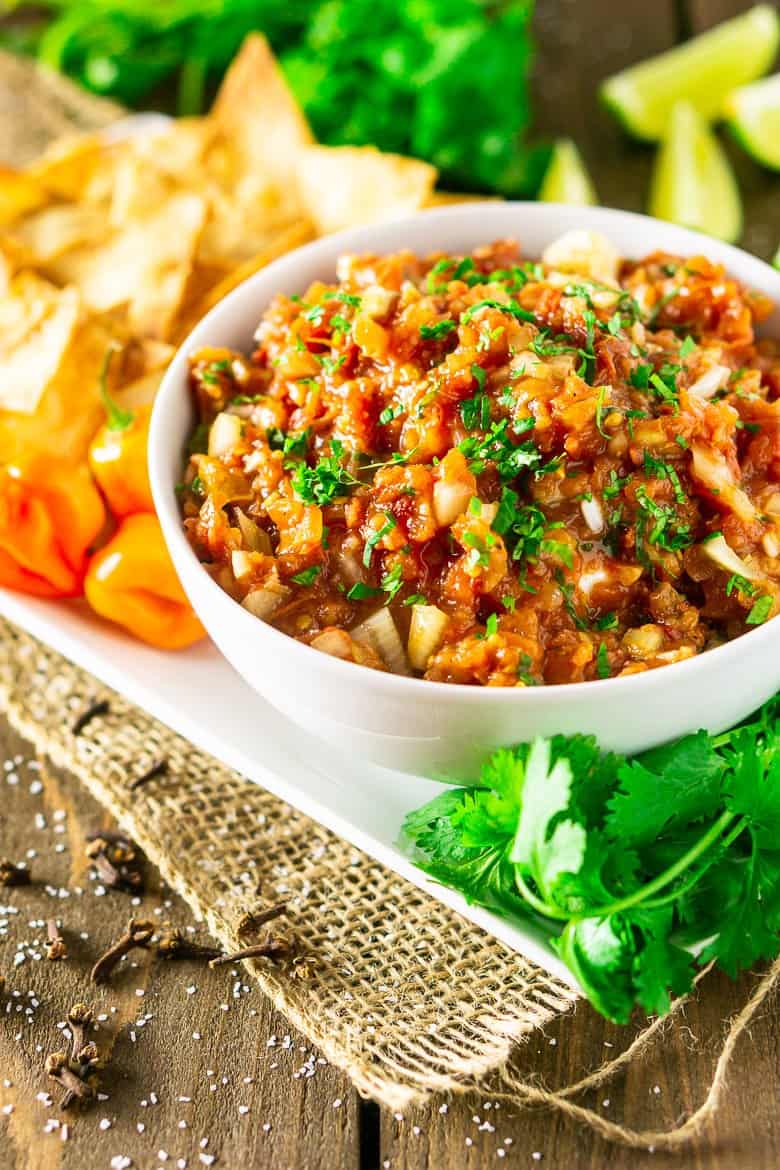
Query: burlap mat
[(405, 996)]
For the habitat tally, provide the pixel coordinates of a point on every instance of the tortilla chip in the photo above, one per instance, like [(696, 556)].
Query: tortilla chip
[(246, 222), (46, 234), (178, 150), (37, 322), (146, 265), (259, 127), (139, 189), (13, 258), (51, 352), (344, 186), (79, 167), (19, 195), (196, 308)]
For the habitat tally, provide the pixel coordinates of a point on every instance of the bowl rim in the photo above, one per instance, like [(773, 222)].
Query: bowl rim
[(360, 238)]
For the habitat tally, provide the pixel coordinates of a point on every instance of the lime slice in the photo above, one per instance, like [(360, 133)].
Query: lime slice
[(693, 183), (566, 180), (702, 71), (753, 113)]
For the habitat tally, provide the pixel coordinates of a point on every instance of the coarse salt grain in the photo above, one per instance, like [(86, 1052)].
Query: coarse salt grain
[(104, 1123)]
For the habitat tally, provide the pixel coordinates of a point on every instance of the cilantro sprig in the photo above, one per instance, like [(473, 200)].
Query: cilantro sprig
[(638, 869)]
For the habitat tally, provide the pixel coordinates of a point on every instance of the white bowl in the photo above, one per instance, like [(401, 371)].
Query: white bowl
[(410, 724)]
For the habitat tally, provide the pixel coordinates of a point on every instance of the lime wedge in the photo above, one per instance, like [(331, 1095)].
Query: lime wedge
[(753, 114), (702, 71), (776, 260), (566, 180), (693, 183)]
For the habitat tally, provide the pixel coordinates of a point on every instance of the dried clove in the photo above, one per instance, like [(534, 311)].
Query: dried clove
[(13, 875), (116, 861), (138, 934), (172, 944), (251, 922), (59, 1069), (79, 1019), (55, 947), (275, 947), (158, 768), (98, 707)]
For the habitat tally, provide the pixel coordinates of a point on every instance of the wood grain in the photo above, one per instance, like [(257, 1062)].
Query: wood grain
[(272, 1103), (263, 1113)]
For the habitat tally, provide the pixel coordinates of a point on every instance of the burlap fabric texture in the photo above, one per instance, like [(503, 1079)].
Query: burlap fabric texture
[(405, 996)]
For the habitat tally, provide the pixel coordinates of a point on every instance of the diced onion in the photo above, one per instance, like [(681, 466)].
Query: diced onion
[(255, 538), (450, 500), (771, 544), (225, 433), (376, 301), (643, 641), (588, 580), (713, 471), (723, 555), (265, 601), (241, 563), (592, 514), (709, 383), (380, 632), (425, 634)]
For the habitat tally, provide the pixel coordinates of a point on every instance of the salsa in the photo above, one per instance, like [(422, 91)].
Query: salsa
[(489, 470)]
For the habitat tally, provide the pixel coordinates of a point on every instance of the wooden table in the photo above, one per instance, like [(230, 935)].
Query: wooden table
[(201, 1067)]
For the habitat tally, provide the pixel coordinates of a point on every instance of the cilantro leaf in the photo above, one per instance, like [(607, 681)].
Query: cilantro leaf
[(667, 786)]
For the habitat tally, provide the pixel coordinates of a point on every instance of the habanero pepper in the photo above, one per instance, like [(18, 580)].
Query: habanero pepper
[(117, 454), (131, 581), (50, 516)]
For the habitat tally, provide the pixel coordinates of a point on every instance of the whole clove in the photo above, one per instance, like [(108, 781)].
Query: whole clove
[(98, 707), (138, 934), (55, 947), (275, 947), (172, 944), (158, 768), (13, 875), (116, 861), (58, 1067), (251, 922), (79, 1019)]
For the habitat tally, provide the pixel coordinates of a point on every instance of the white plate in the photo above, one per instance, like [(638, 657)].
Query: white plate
[(198, 694)]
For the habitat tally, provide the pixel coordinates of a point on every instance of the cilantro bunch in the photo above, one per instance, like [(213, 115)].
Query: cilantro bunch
[(445, 80), (638, 869)]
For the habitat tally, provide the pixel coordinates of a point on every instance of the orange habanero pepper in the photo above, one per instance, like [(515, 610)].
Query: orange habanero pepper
[(131, 581), (50, 515), (117, 454)]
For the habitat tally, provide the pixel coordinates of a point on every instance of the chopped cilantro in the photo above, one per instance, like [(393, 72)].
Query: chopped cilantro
[(392, 581), (603, 669), (380, 533), (440, 329), (326, 481), (475, 412), (505, 306), (389, 413), (760, 611), (361, 592), (307, 576)]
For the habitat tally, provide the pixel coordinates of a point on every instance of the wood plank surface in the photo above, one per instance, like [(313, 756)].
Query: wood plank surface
[(218, 1058)]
